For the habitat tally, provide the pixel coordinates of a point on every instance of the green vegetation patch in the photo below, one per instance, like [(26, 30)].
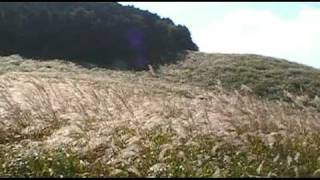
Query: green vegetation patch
[(163, 155)]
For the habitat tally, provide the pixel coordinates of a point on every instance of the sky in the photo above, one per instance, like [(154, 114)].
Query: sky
[(288, 30)]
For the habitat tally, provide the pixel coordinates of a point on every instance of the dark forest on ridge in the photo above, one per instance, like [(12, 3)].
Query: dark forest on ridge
[(102, 33)]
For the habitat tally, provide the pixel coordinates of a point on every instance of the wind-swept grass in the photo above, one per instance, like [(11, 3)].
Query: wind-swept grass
[(102, 123)]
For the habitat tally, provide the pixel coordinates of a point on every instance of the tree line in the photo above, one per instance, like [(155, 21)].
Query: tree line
[(103, 33)]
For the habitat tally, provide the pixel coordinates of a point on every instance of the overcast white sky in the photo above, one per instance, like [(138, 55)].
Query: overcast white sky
[(289, 30)]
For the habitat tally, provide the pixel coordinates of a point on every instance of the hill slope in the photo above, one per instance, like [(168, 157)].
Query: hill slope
[(267, 77), (60, 119)]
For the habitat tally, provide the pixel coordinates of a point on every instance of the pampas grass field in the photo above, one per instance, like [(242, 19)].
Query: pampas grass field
[(58, 119)]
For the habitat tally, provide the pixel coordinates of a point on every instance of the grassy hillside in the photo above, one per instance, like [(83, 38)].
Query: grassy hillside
[(58, 119), (266, 76)]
